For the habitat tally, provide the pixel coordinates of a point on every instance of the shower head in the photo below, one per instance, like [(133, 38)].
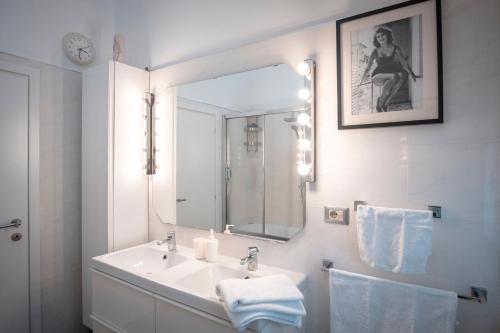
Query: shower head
[(293, 123)]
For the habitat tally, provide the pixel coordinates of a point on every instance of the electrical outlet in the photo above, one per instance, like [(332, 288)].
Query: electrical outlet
[(337, 215)]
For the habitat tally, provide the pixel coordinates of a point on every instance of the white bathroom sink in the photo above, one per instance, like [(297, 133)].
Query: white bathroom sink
[(205, 280), (144, 260), (180, 277)]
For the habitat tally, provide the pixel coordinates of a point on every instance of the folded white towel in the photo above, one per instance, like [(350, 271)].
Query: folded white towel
[(241, 320), (271, 327), (285, 307), (394, 239), (365, 304), (272, 298), (268, 289)]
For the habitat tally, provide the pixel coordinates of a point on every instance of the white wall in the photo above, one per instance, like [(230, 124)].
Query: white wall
[(165, 32), (455, 164), (34, 29)]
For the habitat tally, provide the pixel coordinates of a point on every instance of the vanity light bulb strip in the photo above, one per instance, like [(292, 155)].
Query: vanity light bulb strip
[(303, 68), (150, 165), (305, 122)]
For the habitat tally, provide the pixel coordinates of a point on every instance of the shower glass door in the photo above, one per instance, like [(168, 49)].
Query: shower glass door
[(284, 188), (264, 193), (245, 174)]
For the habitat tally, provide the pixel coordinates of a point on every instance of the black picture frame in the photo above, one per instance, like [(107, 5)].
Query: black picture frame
[(422, 99)]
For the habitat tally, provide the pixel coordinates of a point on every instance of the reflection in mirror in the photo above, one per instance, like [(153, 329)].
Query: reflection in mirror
[(244, 149), (264, 192)]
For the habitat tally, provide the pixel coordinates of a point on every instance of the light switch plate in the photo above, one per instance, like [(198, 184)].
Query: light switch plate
[(337, 215)]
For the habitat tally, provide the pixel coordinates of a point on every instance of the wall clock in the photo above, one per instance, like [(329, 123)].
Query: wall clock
[(78, 48)]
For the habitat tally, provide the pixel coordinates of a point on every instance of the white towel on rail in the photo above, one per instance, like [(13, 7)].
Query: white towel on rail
[(394, 239), (366, 304)]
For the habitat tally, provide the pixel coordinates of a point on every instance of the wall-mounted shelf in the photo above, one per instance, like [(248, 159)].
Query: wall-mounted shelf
[(252, 144), (253, 128)]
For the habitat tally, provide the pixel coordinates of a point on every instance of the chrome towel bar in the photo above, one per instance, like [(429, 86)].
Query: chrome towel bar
[(478, 294), (436, 210)]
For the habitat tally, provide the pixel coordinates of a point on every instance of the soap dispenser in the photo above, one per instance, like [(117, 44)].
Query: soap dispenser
[(212, 247)]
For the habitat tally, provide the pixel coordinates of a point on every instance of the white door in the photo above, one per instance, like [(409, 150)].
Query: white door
[(195, 169), (14, 242)]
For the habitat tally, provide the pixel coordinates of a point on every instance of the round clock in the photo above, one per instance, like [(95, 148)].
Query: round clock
[(78, 48)]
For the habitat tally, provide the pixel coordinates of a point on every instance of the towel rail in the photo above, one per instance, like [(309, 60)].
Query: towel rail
[(436, 210), (478, 294)]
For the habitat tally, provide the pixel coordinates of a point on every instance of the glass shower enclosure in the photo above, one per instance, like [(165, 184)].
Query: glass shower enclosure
[(265, 196)]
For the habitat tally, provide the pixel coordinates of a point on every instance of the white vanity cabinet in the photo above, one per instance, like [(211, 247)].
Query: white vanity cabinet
[(119, 306), (135, 290), (174, 317)]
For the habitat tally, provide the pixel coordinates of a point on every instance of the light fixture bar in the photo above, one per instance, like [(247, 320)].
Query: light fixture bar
[(311, 156), (307, 122), (150, 166)]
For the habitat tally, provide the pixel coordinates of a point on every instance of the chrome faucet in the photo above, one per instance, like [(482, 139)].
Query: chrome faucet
[(251, 258), (170, 240)]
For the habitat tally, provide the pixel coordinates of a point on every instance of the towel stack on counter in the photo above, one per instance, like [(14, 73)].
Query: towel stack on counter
[(272, 298)]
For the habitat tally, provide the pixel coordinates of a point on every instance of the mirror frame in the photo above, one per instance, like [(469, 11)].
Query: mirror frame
[(308, 70)]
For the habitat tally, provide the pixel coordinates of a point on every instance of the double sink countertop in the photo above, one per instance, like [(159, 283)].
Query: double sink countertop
[(177, 276)]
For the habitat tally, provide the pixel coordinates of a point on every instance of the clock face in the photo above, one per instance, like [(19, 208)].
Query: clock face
[(78, 48)]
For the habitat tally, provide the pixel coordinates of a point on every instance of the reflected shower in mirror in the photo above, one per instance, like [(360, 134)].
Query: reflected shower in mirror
[(265, 195), (244, 149)]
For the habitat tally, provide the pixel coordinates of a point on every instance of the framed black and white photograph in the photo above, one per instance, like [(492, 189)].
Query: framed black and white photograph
[(389, 70)]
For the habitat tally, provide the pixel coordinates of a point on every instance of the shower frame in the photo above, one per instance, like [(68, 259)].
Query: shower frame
[(227, 172)]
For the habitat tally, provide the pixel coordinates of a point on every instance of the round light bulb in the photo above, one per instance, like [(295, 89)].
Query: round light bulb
[(304, 94), (303, 68), (303, 119), (304, 169), (304, 144)]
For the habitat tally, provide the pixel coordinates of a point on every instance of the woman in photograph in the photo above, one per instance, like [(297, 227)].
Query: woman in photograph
[(392, 67)]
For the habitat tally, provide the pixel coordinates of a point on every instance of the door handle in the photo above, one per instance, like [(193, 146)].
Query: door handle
[(15, 223), (181, 200)]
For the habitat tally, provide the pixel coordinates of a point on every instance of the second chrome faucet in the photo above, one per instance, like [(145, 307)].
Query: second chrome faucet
[(170, 240), (251, 258)]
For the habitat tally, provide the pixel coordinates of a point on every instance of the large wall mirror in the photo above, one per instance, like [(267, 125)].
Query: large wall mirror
[(244, 150)]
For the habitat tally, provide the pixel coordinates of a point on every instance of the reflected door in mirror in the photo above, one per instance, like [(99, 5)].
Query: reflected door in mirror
[(195, 168)]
